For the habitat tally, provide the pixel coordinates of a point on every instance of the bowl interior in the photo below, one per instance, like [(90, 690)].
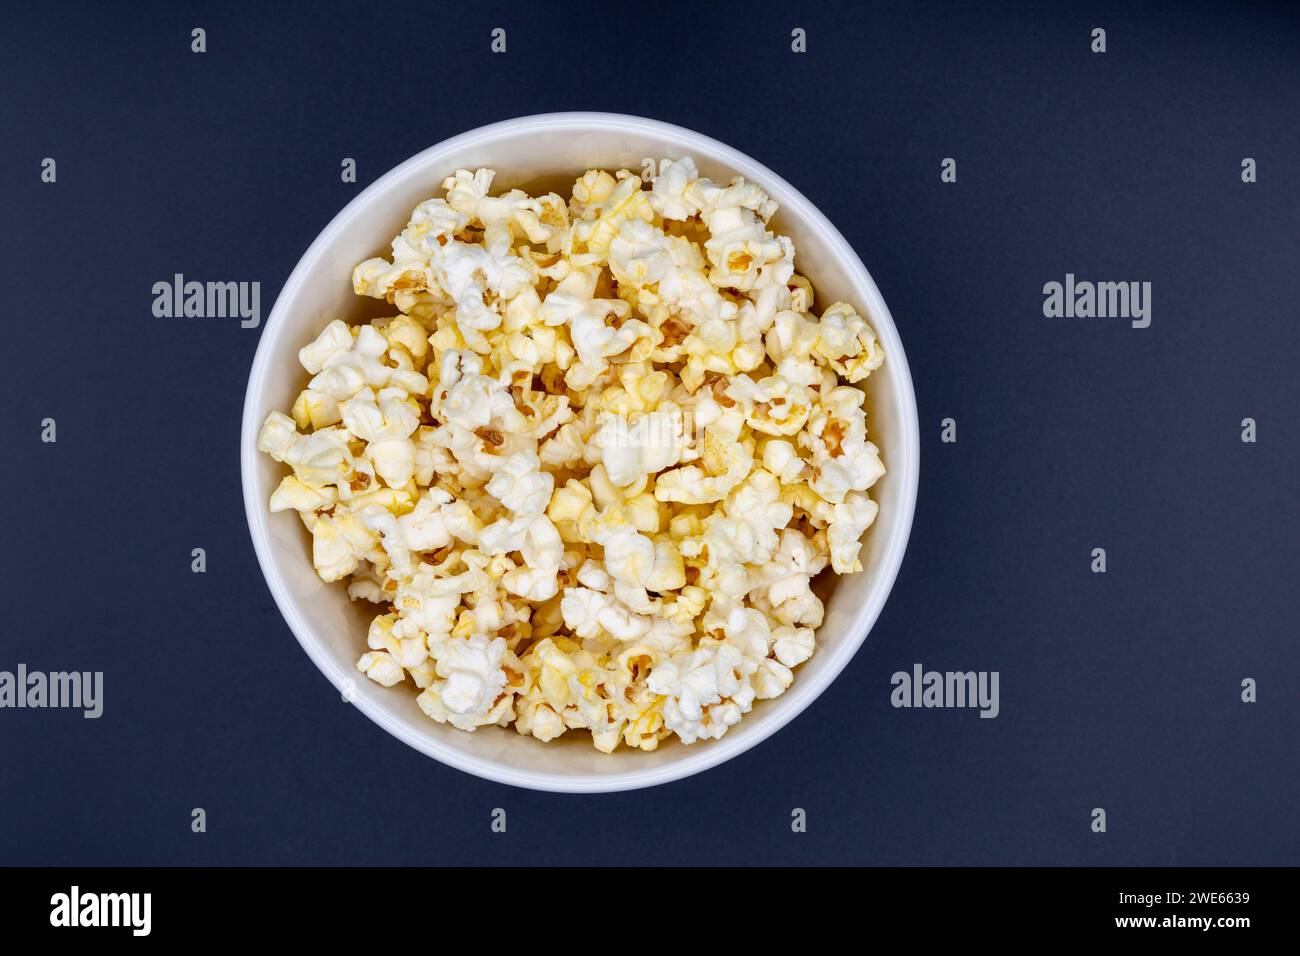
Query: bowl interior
[(537, 157)]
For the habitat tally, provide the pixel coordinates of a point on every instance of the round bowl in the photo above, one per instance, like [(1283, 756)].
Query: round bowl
[(545, 151)]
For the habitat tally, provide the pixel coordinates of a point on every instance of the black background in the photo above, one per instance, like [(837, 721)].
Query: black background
[(1119, 690)]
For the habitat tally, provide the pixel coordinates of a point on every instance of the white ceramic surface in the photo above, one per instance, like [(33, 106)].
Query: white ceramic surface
[(547, 150)]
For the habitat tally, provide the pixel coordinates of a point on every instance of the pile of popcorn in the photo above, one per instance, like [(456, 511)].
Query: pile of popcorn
[(593, 465)]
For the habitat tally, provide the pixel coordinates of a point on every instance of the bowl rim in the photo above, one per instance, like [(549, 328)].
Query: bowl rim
[(904, 467)]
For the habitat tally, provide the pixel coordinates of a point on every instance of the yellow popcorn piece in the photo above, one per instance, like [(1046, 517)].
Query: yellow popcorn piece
[(315, 409), (294, 494)]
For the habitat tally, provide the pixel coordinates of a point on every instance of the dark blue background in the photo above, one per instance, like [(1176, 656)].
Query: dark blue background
[(1118, 690)]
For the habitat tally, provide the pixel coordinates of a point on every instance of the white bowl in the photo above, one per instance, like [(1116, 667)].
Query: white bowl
[(547, 150)]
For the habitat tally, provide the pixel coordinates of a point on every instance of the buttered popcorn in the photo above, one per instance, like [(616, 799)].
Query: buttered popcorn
[(591, 466)]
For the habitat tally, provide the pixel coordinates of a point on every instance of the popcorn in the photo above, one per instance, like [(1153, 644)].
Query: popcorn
[(334, 338), (520, 485), (542, 551), (848, 343), (669, 192), (294, 494), (645, 445), (629, 557), (380, 667), (536, 717), (639, 255), (315, 409), (592, 465), (425, 527), (725, 465), (472, 272), (851, 518), (843, 459), (588, 613), (472, 679), (338, 544), (394, 461), (708, 690), (386, 417), (792, 645)]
